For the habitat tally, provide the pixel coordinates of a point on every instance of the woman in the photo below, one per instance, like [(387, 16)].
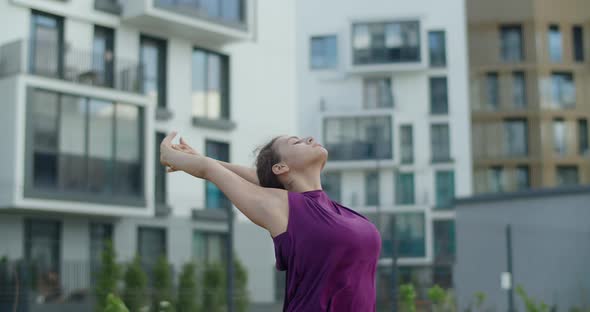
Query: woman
[(329, 251)]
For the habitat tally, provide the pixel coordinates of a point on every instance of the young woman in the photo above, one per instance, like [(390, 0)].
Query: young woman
[(329, 251)]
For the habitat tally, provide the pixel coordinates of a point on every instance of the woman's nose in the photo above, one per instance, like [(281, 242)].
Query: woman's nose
[(310, 140)]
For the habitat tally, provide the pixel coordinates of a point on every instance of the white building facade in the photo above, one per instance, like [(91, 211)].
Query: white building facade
[(89, 89)]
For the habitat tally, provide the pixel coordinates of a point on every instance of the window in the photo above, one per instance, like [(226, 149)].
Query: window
[(567, 175), (563, 90), (280, 284), (46, 54), (518, 90), (407, 144), (358, 138), (559, 137), (100, 234), (578, 37), (324, 52), (215, 198), (523, 181), (331, 185), (444, 241), (512, 43), (555, 46), (151, 245), (386, 43), (515, 137), (210, 85), (439, 136), (103, 55), (84, 145), (209, 247), (372, 188), (404, 189), (42, 247), (378, 93), (496, 179), (492, 91), (409, 232), (583, 140), (160, 189), (153, 58), (439, 99), (437, 48), (445, 189)]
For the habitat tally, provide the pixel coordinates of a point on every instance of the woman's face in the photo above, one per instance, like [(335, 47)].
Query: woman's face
[(300, 152)]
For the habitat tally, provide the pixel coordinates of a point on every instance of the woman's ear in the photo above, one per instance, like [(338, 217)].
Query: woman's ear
[(280, 168)]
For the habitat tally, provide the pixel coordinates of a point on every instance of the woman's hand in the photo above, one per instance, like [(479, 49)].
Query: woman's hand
[(193, 164), (185, 148)]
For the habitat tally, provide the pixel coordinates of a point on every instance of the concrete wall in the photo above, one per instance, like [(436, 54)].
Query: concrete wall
[(550, 236)]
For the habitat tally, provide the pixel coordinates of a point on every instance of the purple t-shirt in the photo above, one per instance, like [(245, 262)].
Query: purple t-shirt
[(330, 253)]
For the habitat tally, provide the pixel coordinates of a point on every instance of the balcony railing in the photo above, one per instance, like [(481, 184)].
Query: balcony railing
[(359, 150), (226, 12), (53, 60)]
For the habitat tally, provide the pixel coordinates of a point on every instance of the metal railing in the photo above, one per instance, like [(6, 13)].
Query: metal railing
[(54, 60)]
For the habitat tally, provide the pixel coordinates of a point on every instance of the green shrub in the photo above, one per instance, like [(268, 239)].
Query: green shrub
[(107, 276), (135, 293), (114, 304), (187, 290), (162, 299), (407, 295)]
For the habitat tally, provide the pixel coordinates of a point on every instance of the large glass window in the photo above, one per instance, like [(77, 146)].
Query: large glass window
[(563, 90), (518, 90), (492, 91), (444, 241), (324, 52), (445, 189), (209, 247), (578, 44), (523, 180), (215, 198), (42, 247), (210, 85), (407, 144), (103, 55), (567, 175), (555, 44), (47, 44), (331, 185), (495, 179), (153, 58), (151, 245), (515, 137), (440, 143), (161, 176), (512, 43), (405, 189), (437, 48), (559, 137), (358, 138), (378, 93), (84, 144), (439, 99), (583, 140), (409, 233), (385, 43), (372, 188)]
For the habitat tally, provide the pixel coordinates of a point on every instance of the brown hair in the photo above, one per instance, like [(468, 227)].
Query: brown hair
[(268, 157)]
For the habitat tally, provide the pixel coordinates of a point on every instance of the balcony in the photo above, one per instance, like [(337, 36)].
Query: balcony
[(53, 60), (216, 21)]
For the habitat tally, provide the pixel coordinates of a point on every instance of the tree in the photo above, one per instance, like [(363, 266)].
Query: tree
[(187, 290), (135, 294), (242, 298), (407, 297), (162, 295), (529, 303), (213, 288), (107, 276), (114, 304)]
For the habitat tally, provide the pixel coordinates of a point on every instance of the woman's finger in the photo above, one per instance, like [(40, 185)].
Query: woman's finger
[(182, 141)]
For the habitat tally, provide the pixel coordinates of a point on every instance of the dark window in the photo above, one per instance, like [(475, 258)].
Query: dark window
[(555, 44), (407, 144), (214, 196), (492, 91), (445, 189), (209, 247), (101, 130), (229, 12), (331, 185), (324, 52), (563, 90), (512, 43), (496, 179), (583, 137), (103, 55), (128, 160), (560, 141), (358, 138), (523, 180), (372, 188), (440, 143), (210, 85), (42, 250), (437, 48), (47, 45), (515, 137), (443, 276), (409, 232), (439, 99), (567, 175), (151, 245), (160, 171), (44, 127), (378, 93), (386, 43), (578, 37), (153, 58), (444, 241), (100, 233), (518, 90), (405, 189)]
